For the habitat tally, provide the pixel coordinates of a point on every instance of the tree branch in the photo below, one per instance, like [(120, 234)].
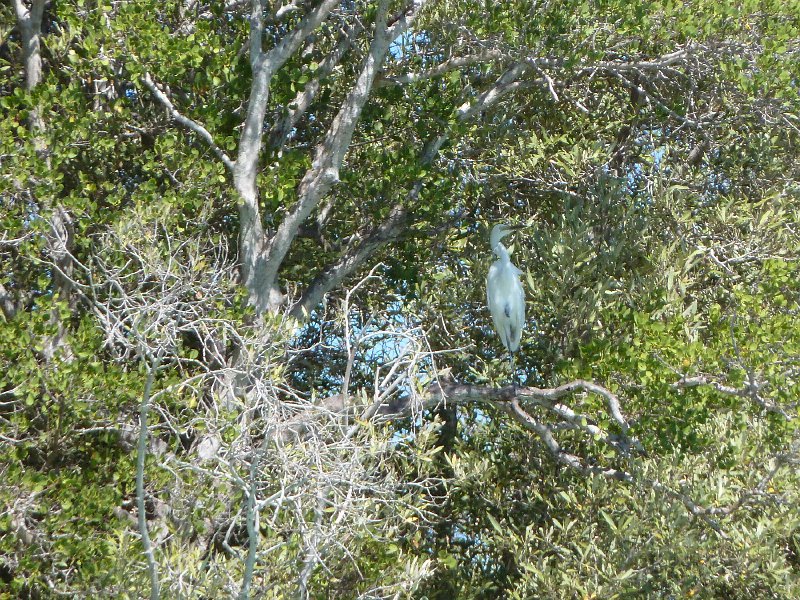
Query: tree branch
[(264, 67), (456, 62), (750, 390), (350, 261), (7, 303), (359, 252), (303, 99), (262, 292), (510, 400), (152, 567), (324, 171), (252, 520), (287, 8), (187, 122), (30, 24), (506, 83)]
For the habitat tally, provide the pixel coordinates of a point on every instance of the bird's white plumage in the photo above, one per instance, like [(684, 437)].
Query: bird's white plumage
[(504, 292)]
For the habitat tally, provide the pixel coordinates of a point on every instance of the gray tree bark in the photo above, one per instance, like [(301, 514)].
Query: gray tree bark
[(263, 293)]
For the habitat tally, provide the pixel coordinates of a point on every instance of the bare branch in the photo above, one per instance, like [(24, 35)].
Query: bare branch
[(146, 306), (7, 303), (510, 400), (750, 390), (365, 246), (252, 519), (263, 292), (658, 64), (333, 276), (303, 99), (324, 171), (545, 397), (504, 84), (452, 64), (187, 122), (264, 67), (152, 567)]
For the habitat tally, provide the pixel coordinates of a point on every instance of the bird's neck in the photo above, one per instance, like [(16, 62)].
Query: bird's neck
[(501, 251)]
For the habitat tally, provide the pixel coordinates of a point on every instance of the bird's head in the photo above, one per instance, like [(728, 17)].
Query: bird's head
[(500, 231)]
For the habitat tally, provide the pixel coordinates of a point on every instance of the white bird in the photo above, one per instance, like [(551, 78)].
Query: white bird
[(504, 293)]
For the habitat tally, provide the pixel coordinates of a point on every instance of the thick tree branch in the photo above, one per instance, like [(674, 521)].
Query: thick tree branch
[(330, 153), (7, 303), (141, 453), (262, 291), (363, 247), (515, 402), (545, 397), (59, 243), (187, 122), (333, 276), (286, 9), (30, 24), (264, 66), (511, 400), (303, 99), (452, 64), (749, 390)]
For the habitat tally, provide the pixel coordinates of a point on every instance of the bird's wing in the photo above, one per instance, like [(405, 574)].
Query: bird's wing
[(517, 317), (492, 299), (495, 301)]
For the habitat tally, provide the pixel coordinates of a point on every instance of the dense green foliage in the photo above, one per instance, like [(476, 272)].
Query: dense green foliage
[(649, 148)]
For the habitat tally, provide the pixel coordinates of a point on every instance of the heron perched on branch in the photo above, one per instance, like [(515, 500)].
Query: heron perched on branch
[(504, 294)]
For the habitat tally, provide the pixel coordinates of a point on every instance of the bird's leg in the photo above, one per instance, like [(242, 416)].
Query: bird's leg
[(512, 364)]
